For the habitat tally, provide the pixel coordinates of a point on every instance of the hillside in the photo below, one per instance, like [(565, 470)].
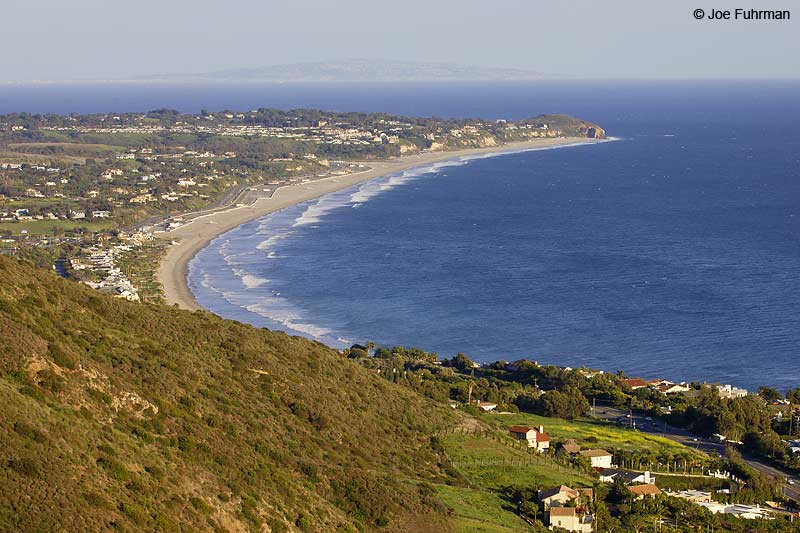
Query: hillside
[(144, 417)]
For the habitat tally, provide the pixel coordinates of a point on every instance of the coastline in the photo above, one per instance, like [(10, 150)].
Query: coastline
[(189, 239)]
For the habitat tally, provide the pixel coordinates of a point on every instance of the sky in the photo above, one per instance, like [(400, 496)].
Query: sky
[(111, 39)]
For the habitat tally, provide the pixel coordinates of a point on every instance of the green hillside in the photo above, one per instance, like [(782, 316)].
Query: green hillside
[(143, 417)]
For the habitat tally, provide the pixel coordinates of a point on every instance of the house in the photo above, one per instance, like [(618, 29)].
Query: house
[(486, 406), (609, 475), (634, 383), (569, 447), (694, 496), (598, 458), (671, 388), (557, 496), (729, 391), (590, 373), (536, 437), (564, 507), (640, 492), (738, 509), (569, 518)]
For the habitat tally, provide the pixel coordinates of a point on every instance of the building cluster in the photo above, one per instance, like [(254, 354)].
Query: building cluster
[(567, 508), (322, 133), (101, 262), (704, 499)]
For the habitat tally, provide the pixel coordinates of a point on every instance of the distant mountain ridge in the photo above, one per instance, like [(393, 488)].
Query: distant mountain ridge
[(354, 70)]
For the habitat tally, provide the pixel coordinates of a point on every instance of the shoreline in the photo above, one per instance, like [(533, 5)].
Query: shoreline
[(189, 239)]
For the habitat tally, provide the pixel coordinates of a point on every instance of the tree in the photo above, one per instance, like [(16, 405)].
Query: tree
[(569, 403), (769, 394), (794, 395), (529, 509), (461, 362)]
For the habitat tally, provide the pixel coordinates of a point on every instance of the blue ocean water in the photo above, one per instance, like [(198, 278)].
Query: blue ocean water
[(673, 252)]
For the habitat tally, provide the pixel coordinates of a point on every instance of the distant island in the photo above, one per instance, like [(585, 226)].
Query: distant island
[(356, 70)]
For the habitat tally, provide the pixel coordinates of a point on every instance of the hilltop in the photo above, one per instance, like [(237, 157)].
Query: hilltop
[(131, 416)]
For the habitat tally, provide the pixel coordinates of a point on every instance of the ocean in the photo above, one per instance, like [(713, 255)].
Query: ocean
[(673, 252)]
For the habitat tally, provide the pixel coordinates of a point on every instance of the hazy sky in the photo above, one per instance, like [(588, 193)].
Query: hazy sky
[(68, 39)]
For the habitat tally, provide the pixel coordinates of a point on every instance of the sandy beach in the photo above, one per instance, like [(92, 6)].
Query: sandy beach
[(196, 234)]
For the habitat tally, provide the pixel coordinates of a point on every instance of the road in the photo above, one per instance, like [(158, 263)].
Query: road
[(231, 197), (657, 427), (240, 194)]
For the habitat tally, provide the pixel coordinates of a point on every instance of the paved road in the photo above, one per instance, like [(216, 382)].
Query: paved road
[(657, 427)]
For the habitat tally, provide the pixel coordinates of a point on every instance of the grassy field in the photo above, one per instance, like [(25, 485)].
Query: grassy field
[(592, 433), (7, 156), (47, 227), (66, 147), (491, 464), (478, 510)]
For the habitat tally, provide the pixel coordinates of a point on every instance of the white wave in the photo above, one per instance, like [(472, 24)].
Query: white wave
[(366, 191), (277, 309), (249, 280), (315, 211), (252, 282), (273, 240)]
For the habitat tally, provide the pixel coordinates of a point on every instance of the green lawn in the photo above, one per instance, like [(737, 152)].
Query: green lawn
[(478, 510), (503, 465), (65, 147), (490, 465), (592, 433), (46, 227)]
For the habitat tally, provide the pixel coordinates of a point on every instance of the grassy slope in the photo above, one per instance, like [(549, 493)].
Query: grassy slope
[(607, 434), (490, 465), (501, 466), (147, 417), (47, 227)]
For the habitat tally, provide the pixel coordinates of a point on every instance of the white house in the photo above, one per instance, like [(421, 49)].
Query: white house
[(738, 509), (536, 437), (557, 505), (609, 475), (486, 406), (599, 458), (729, 391), (568, 518)]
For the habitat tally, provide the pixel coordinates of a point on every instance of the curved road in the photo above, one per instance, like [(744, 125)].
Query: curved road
[(790, 489)]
